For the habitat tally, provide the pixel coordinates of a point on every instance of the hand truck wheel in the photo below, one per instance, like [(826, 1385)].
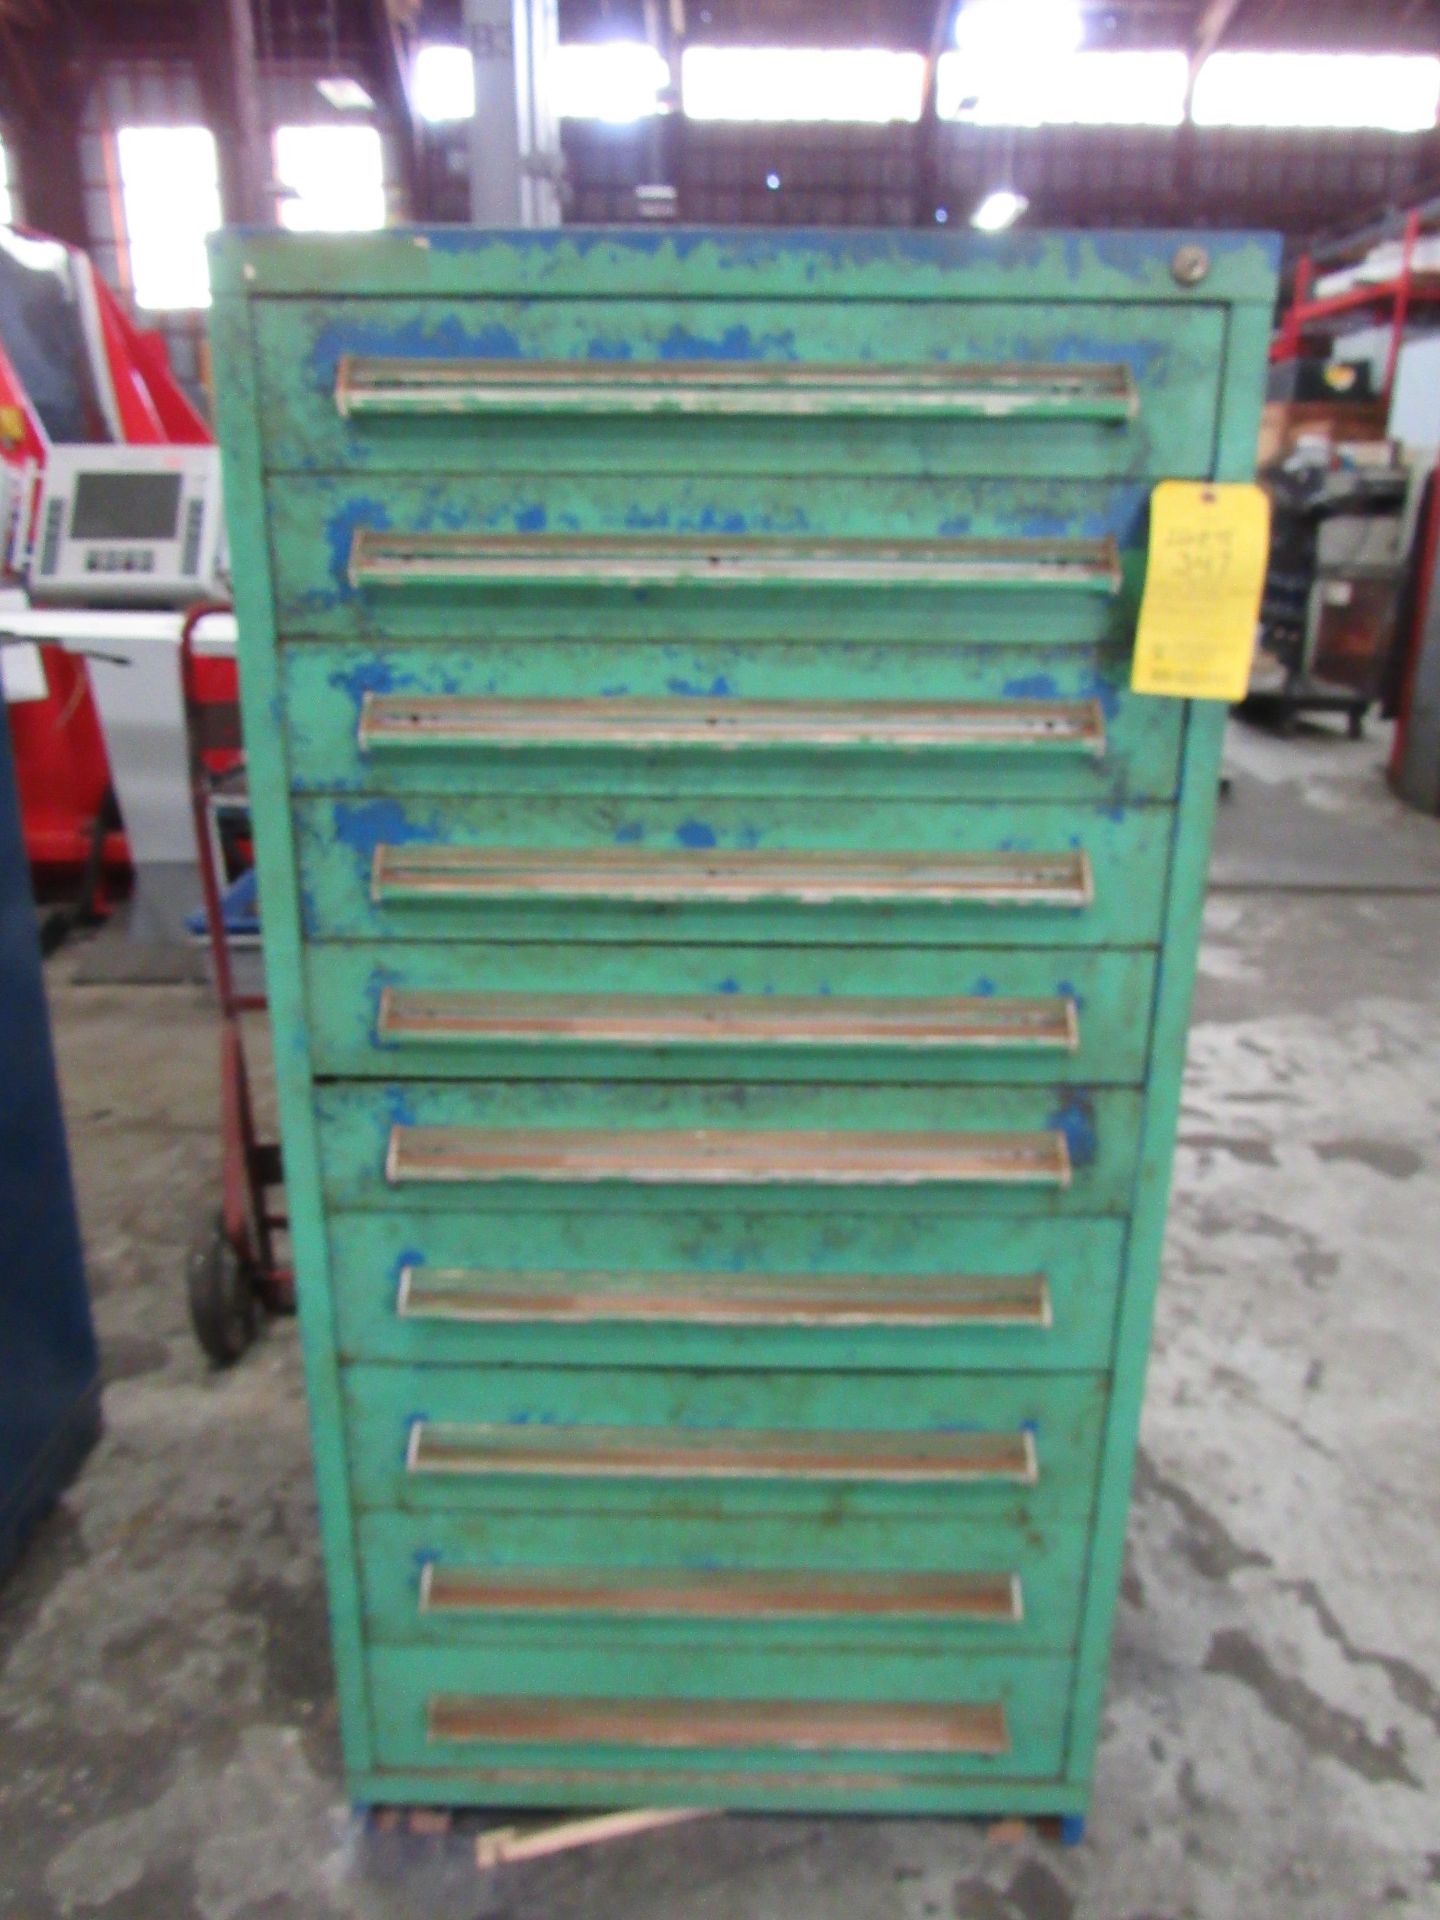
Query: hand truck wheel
[(224, 1307)]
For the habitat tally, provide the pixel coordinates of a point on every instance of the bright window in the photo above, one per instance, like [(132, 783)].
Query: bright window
[(1134, 88), (170, 190), (332, 179), (1021, 29), (801, 83), (442, 84), (1396, 92), (615, 80), (7, 204)]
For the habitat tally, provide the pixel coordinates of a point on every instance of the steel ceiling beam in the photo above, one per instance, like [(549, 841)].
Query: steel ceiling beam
[(1216, 20), (927, 129), (389, 26)]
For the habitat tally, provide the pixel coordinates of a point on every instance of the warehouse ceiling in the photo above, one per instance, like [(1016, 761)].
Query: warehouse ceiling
[(1298, 179), (301, 27), (1391, 25)]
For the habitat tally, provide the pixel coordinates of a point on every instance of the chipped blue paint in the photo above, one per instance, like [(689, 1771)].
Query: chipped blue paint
[(365, 825), (1075, 1118), (710, 520), (341, 526), (1046, 526), (695, 834), (1099, 687), (373, 673), (639, 520), (1032, 686), (629, 833), (399, 1108), (984, 988), (728, 985), (718, 689), (531, 519), (735, 343), (421, 338)]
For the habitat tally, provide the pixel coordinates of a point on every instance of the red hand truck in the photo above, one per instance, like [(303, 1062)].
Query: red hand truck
[(234, 1269)]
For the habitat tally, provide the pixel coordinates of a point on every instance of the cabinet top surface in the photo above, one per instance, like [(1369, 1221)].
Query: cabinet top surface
[(795, 263)]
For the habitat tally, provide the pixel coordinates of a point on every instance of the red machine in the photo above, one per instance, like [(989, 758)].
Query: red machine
[(73, 368)]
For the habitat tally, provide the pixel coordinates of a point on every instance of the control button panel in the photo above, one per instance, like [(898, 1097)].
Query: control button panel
[(120, 560)]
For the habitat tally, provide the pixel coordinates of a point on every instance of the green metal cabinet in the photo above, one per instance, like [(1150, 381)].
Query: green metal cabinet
[(730, 930)]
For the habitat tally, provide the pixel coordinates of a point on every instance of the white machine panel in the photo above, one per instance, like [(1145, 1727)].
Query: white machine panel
[(128, 523), (12, 493)]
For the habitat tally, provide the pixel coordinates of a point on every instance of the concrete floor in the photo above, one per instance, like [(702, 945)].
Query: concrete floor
[(1272, 1748)]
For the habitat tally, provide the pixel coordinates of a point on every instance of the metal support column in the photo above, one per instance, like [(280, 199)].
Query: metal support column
[(514, 136)]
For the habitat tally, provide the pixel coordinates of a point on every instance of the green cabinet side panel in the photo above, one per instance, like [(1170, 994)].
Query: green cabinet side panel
[(729, 936), (238, 414)]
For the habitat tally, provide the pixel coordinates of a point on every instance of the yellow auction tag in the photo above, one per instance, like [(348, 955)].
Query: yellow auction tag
[(1203, 580)]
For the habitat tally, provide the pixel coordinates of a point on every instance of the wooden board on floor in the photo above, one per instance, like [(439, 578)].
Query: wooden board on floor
[(535, 1839)]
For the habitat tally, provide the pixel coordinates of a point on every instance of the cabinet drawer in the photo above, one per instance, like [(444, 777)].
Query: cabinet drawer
[(462, 1579), (759, 1726), (658, 1442), (659, 1146), (725, 1287), (761, 386), (1041, 561), (822, 722), (845, 872), (529, 1009)]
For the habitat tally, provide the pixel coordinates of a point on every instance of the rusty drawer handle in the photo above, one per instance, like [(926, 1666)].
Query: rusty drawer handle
[(495, 1297), (383, 558), (650, 1594), (691, 1726), (670, 1453), (414, 875), (699, 1156), (447, 723), (371, 386), (966, 1024)]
